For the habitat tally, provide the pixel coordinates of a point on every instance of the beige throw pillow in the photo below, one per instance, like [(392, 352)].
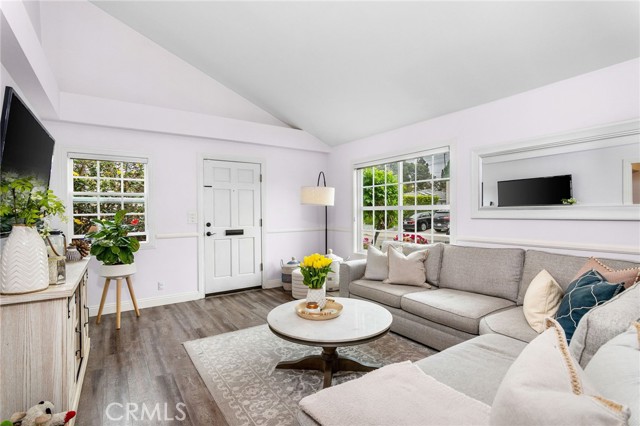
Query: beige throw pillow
[(546, 386), (407, 270), (377, 268), (541, 300)]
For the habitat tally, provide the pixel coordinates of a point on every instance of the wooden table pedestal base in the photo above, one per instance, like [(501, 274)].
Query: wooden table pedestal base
[(328, 362)]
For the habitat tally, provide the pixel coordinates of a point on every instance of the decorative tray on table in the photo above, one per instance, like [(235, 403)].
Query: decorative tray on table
[(332, 309)]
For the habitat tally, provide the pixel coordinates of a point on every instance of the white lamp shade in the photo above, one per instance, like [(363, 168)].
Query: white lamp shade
[(317, 195)]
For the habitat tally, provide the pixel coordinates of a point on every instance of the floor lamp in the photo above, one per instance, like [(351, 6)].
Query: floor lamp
[(319, 196)]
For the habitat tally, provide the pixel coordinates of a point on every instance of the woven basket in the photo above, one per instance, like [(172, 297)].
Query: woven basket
[(298, 289)]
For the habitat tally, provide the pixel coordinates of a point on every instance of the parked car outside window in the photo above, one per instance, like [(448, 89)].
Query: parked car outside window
[(441, 221), (419, 221)]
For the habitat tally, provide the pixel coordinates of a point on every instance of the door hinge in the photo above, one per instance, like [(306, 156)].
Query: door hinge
[(261, 267), (260, 177), (260, 222)]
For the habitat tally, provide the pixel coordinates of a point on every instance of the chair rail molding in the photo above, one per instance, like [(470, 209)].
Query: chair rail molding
[(630, 252)]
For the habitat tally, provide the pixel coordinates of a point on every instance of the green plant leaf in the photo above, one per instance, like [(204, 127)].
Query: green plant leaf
[(119, 216)]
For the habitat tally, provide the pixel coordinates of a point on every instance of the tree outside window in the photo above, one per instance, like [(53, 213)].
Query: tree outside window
[(405, 200), (102, 187)]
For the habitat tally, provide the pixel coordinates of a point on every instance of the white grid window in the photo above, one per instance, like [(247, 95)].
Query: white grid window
[(102, 185), (404, 199)]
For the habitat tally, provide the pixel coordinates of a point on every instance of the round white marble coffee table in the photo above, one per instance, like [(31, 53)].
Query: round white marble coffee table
[(360, 322)]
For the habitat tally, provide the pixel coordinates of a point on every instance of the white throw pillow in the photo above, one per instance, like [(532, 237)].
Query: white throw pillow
[(541, 300), (546, 386), (407, 270), (615, 370), (377, 265)]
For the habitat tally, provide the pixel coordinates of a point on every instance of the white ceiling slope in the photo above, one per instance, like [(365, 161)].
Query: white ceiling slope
[(92, 53), (345, 70)]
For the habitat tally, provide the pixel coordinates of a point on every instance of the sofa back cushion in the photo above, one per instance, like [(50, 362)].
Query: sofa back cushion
[(491, 271), (562, 267), (433, 262)]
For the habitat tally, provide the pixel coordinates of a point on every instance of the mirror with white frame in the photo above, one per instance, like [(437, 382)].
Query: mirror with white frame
[(596, 176)]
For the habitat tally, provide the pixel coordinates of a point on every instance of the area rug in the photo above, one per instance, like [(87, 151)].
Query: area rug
[(239, 371)]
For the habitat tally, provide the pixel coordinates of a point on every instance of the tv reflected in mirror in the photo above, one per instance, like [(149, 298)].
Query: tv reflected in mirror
[(540, 191)]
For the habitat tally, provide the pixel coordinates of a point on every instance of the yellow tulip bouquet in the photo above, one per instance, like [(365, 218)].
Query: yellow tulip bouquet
[(315, 269)]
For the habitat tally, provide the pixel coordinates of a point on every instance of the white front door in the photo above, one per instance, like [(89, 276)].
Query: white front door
[(233, 233)]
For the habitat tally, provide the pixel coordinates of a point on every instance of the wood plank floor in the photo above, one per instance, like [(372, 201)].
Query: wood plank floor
[(145, 364)]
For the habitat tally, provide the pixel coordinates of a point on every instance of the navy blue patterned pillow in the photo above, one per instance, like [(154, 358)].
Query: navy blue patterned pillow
[(585, 292)]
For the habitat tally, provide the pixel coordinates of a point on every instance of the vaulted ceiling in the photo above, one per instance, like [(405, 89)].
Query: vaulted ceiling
[(345, 70)]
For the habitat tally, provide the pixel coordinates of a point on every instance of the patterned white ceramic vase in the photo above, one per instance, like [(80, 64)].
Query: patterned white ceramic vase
[(318, 295), (24, 267)]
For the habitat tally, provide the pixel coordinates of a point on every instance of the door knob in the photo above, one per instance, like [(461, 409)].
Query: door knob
[(208, 224), (209, 234)]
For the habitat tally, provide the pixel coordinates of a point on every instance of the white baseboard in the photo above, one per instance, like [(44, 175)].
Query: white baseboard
[(272, 284), (149, 302)]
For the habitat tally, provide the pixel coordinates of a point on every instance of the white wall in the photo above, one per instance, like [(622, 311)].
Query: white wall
[(89, 52), (290, 228), (22, 55), (597, 98), (7, 80), (601, 97), (94, 54)]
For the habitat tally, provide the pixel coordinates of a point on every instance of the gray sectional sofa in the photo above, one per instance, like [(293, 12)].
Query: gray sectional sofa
[(474, 315), (475, 291)]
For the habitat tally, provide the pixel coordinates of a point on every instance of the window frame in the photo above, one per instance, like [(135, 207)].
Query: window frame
[(90, 154), (358, 193)]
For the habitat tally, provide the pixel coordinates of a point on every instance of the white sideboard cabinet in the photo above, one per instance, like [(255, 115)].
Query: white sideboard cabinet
[(44, 344)]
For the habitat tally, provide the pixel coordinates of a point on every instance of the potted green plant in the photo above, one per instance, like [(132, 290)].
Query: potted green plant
[(24, 204), (315, 269), (112, 245)]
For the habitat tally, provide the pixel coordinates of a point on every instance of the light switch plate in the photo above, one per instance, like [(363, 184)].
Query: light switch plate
[(192, 217)]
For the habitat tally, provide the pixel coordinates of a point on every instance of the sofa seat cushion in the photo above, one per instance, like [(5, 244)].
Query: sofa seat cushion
[(510, 323), (475, 367), (457, 309), (386, 294), (396, 394)]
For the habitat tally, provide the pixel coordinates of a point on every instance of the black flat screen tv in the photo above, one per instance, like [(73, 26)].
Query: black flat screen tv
[(535, 191), (26, 148)]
